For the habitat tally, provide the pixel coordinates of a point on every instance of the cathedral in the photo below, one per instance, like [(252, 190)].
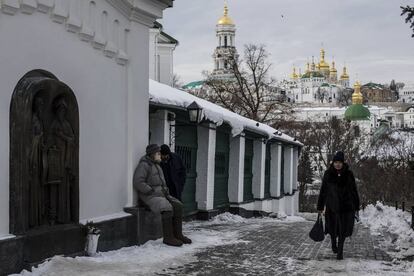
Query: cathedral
[(319, 83)]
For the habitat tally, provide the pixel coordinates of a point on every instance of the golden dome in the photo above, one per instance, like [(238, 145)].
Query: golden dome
[(294, 76), (357, 97), (225, 19), (323, 66), (344, 75), (333, 69)]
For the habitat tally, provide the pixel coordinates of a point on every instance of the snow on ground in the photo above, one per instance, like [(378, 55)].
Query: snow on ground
[(153, 256), (393, 225)]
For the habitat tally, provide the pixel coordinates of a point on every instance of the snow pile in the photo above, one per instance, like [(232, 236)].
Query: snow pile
[(147, 259), (164, 94), (228, 218), (393, 225)]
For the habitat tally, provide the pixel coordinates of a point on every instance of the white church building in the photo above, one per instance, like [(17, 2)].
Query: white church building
[(94, 53)]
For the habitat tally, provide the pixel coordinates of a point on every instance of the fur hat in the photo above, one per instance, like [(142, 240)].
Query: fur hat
[(339, 156), (151, 149)]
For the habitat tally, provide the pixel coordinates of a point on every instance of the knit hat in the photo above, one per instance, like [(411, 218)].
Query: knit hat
[(153, 148), (165, 150), (339, 156)]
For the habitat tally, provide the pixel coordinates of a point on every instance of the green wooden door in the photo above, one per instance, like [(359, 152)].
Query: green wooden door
[(248, 170), (221, 171), (267, 172), (186, 148), (282, 173)]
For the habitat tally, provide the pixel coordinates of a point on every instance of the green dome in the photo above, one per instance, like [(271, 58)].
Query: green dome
[(357, 112), (312, 75), (194, 84)]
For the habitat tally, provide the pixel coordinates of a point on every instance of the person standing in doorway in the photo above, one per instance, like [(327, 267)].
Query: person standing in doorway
[(339, 201), (174, 171)]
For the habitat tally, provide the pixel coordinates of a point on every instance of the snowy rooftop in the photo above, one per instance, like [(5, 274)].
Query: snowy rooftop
[(163, 94)]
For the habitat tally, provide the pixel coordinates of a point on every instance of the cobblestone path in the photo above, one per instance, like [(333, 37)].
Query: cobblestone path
[(275, 248)]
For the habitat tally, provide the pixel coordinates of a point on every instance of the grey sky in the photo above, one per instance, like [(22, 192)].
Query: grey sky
[(369, 35)]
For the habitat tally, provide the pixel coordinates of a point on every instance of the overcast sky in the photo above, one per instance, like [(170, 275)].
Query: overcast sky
[(369, 35)]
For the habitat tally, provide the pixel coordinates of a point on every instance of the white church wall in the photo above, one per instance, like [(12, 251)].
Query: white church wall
[(109, 95)]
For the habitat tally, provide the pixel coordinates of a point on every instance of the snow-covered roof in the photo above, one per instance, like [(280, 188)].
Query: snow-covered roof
[(163, 94)]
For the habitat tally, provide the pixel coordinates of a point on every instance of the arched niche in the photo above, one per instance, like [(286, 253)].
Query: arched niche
[(44, 153)]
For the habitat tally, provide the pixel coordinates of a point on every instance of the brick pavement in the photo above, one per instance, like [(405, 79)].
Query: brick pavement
[(274, 248)]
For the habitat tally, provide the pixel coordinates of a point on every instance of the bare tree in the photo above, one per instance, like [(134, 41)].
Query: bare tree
[(250, 90), (409, 13), (176, 81), (344, 97)]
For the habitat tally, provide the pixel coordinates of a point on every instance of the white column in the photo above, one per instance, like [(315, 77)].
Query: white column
[(295, 167), (275, 169), (259, 161), (236, 169), (206, 153), (161, 127), (288, 170)]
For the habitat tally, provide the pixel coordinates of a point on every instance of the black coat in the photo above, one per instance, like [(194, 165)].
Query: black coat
[(340, 197), (175, 174)]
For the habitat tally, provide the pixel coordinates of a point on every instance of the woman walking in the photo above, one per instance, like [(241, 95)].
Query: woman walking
[(339, 200)]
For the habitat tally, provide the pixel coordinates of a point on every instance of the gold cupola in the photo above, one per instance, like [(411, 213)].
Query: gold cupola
[(357, 97), (344, 75), (313, 67), (333, 69), (225, 19), (294, 76), (323, 65), (357, 111)]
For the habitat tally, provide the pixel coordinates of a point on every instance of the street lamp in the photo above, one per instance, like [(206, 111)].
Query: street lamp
[(195, 112)]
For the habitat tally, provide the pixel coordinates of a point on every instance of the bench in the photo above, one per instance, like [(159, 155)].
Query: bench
[(149, 225)]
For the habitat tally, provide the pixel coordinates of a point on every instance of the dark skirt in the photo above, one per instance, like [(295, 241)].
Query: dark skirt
[(339, 224)]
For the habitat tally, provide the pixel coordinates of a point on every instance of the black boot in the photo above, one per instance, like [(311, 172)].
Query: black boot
[(178, 230), (334, 246), (168, 230), (340, 254)]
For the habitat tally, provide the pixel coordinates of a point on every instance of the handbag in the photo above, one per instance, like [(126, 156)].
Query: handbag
[(317, 234)]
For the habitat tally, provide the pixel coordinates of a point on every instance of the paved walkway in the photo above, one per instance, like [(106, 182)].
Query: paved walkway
[(275, 248)]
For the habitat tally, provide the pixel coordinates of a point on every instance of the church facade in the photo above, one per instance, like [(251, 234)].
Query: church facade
[(319, 84), (74, 120)]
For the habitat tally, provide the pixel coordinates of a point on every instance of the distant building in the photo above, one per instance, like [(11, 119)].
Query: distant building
[(225, 53), (319, 83), (406, 95), (161, 48), (374, 92)]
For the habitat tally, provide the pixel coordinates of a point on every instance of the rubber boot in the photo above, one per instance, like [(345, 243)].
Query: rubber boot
[(334, 246), (178, 230), (340, 254), (168, 230)]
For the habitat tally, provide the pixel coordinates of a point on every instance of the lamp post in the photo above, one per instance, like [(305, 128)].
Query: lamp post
[(195, 112)]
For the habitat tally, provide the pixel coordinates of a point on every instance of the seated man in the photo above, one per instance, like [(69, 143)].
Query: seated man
[(150, 184)]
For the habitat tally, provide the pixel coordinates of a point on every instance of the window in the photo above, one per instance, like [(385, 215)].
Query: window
[(225, 41)]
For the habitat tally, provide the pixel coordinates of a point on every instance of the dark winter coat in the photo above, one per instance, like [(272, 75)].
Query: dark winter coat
[(340, 197), (175, 174)]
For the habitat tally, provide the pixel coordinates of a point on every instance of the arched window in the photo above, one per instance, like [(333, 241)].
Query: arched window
[(91, 16), (225, 41), (104, 24), (115, 33)]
